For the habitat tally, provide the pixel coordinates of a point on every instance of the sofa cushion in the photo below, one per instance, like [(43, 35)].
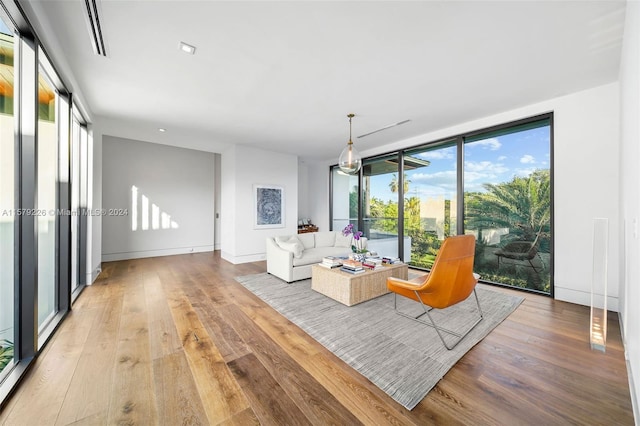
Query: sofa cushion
[(308, 240), (315, 255), (291, 244), (325, 239), (342, 241)]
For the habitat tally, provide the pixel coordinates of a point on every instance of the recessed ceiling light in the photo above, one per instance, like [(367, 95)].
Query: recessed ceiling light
[(187, 48), (162, 130)]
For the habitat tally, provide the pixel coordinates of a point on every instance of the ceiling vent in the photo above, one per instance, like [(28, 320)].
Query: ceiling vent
[(92, 8)]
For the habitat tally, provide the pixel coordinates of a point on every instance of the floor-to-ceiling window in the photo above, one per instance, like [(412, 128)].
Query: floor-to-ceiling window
[(430, 199), (344, 199), (495, 184), (380, 192), (46, 206), (7, 197), (35, 111), (507, 199), (78, 199), (75, 202)]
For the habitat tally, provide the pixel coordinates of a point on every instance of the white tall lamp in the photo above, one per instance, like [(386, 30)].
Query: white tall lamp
[(598, 320)]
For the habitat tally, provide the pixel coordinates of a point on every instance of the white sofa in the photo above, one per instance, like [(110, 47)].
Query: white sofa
[(289, 257)]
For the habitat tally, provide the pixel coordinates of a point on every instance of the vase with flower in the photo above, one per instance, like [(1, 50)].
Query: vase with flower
[(359, 252)]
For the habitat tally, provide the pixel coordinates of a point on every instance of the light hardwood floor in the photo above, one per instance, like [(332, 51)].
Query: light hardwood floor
[(175, 340)]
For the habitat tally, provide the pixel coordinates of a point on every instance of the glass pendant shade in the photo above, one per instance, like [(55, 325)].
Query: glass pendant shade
[(350, 159)]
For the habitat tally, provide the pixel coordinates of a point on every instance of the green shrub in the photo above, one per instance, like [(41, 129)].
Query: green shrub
[(6, 353)]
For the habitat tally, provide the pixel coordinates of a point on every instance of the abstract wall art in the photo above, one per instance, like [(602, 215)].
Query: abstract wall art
[(269, 206)]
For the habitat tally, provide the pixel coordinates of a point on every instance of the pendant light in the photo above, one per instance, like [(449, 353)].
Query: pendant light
[(350, 159)]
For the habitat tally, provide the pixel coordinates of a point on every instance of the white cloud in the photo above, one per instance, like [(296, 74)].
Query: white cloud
[(492, 144), (431, 184), (440, 154), (502, 158), (527, 159), (524, 172), (478, 173), (484, 167), (434, 178)]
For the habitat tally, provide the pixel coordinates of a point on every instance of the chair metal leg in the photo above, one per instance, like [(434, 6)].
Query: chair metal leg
[(433, 323)]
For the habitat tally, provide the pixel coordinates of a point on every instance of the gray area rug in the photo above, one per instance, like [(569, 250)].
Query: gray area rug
[(402, 357)]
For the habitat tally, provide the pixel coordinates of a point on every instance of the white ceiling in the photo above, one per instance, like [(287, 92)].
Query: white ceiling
[(284, 75)]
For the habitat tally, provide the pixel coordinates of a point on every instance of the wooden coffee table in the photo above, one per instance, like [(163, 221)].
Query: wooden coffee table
[(351, 289)]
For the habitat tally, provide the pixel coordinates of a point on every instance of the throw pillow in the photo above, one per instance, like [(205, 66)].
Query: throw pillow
[(292, 245)]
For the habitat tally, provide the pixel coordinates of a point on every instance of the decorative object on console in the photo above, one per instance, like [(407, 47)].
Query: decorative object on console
[(350, 160), (305, 225), (269, 206)]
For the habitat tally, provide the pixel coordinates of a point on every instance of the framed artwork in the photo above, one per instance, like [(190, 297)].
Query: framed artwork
[(269, 206)]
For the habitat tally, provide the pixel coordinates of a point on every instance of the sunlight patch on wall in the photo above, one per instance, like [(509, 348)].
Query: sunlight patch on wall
[(158, 218)]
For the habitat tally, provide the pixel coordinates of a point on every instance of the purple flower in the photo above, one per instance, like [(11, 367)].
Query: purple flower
[(348, 230), (357, 235)]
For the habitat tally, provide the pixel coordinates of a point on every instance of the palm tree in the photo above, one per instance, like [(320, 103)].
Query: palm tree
[(523, 205), (412, 214), (394, 186)]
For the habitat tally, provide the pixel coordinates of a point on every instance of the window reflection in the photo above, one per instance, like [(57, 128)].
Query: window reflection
[(47, 173), (7, 201)]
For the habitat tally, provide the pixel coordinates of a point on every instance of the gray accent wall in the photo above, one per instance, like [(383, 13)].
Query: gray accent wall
[(157, 200)]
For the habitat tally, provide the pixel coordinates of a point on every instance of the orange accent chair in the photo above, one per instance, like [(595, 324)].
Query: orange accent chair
[(450, 281)]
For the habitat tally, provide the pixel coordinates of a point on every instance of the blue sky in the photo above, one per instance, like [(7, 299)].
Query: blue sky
[(4, 29), (491, 160)]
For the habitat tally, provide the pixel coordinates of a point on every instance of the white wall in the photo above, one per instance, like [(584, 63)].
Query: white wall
[(319, 187), (586, 180), (630, 199), (178, 182), (217, 201), (243, 167), (303, 194)]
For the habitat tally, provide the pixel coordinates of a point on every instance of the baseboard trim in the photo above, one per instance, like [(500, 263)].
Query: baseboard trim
[(110, 257), (247, 258), (581, 297)]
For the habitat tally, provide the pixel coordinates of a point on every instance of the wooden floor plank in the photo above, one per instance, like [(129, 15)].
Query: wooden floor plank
[(269, 401), (87, 394), (176, 392), (220, 393), (317, 404), (132, 394), (46, 386), (176, 340), (163, 336)]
